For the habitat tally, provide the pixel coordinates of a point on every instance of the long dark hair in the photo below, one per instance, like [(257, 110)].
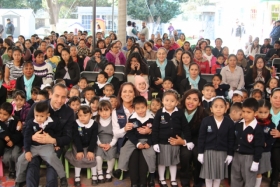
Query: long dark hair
[(120, 101), (181, 70), (143, 66), (255, 69), (62, 63), (56, 53), (19, 50)]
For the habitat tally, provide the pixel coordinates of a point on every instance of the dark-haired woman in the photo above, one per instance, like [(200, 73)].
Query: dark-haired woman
[(83, 50), (58, 49), (67, 69), (102, 46), (259, 72), (191, 103), (110, 68), (76, 58), (135, 65), (183, 68), (149, 53)]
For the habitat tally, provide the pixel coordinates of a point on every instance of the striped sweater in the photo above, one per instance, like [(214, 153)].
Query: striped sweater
[(45, 71)]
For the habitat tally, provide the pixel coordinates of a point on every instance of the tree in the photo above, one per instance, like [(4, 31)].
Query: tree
[(154, 12), (20, 4)]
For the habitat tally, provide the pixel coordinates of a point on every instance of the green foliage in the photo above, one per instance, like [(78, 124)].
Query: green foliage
[(19, 4), (163, 9)]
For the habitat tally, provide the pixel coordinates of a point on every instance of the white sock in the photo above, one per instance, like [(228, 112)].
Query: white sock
[(110, 164), (173, 172), (94, 173), (99, 162), (258, 182), (77, 174), (208, 182), (161, 170), (216, 182)]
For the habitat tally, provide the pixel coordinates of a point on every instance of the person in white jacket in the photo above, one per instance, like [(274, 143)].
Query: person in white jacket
[(253, 49)]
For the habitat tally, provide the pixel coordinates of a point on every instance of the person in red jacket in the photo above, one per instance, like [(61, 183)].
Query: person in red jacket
[(219, 64), (201, 61)]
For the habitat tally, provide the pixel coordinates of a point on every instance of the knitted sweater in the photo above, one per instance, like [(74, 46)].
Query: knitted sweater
[(45, 71)]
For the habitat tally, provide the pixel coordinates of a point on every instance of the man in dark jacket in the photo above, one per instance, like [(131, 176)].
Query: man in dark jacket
[(96, 62), (170, 50), (273, 53), (275, 33), (10, 29)]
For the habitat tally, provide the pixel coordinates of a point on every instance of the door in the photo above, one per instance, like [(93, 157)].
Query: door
[(15, 19)]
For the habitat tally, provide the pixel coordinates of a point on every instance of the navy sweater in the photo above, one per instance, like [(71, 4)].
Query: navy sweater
[(11, 131), (249, 141), (32, 128), (267, 125), (212, 138), (166, 126)]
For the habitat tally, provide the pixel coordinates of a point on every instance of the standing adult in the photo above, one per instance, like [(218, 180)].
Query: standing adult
[(129, 29), (275, 33), (218, 48), (9, 29), (145, 30), (170, 29), (64, 116)]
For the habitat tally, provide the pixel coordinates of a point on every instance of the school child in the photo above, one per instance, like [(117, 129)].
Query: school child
[(248, 147), (272, 83), (257, 94), (210, 57), (48, 89), (208, 90), (84, 144), (42, 96), (169, 122), (98, 86), (218, 65), (108, 91), (155, 106), (259, 85), (74, 92), (60, 81), (42, 122), (34, 93), (21, 107), (106, 149), (235, 113), (3, 90), (82, 84), (264, 120), (244, 93), (94, 106), (10, 138), (114, 101), (88, 94), (235, 96), (42, 68), (75, 104), (142, 86), (140, 118), (215, 144), (167, 84), (220, 89)]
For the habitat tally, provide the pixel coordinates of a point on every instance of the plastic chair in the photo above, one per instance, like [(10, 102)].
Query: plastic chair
[(120, 68), (90, 75), (1, 168)]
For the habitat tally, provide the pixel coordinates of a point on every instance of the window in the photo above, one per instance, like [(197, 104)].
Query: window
[(86, 22)]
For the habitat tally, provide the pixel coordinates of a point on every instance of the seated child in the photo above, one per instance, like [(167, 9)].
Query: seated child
[(113, 101), (207, 92), (210, 57), (84, 144), (108, 91), (106, 142), (248, 148), (272, 83), (42, 122), (235, 96), (60, 81), (74, 92), (74, 103), (42, 96), (235, 113), (10, 138), (167, 84), (259, 85), (245, 94), (155, 106), (88, 94), (257, 94), (82, 84), (21, 107), (98, 86), (219, 64), (220, 89), (141, 117), (94, 106), (48, 89), (34, 93), (142, 86), (3, 90)]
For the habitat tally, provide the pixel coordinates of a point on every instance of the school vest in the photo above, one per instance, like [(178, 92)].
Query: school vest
[(122, 120)]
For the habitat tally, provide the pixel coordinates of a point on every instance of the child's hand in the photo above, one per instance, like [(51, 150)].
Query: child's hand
[(10, 144), (101, 145), (28, 156), (107, 147), (19, 126), (146, 146), (79, 156), (90, 156), (7, 138), (56, 148), (140, 146)]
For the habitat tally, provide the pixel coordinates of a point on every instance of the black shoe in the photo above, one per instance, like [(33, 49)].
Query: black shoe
[(151, 180), (162, 185), (134, 185), (94, 182), (63, 182), (273, 184), (77, 183), (174, 185), (117, 173), (20, 184), (108, 179), (101, 180), (12, 175)]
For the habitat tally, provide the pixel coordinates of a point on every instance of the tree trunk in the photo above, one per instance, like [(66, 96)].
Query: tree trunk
[(122, 21), (54, 9)]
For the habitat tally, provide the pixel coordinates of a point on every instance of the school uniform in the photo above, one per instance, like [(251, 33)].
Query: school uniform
[(134, 138), (275, 153), (98, 88), (168, 125), (84, 101), (11, 154), (248, 148), (215, 141), (106, 136), (3, 94), (45, 151), (94, 115), (267, 125), (84, 141), (186, 85), (207, 104), (221, 90)]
